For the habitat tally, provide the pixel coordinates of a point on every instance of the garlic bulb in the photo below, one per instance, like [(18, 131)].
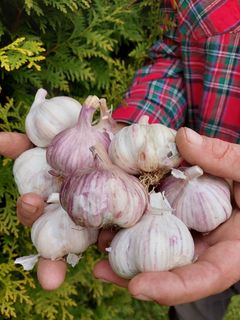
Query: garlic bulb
[(48, 117), (104, 195), (69, 150), (200, 200), (158, 242), (55, 235), (144, 147), (31, 173)]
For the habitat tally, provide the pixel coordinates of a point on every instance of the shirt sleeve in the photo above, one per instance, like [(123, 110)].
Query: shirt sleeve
[(157, 89)]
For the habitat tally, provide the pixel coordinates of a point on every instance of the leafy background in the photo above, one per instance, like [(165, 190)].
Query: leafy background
[(75, 48)]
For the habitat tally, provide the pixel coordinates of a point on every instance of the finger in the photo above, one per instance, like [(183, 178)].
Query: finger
[(213, 155), (12, 144), (236, 192), (229, 230), (211, 274), (30, 207), (105, 237), (51, 274), (104, 272)]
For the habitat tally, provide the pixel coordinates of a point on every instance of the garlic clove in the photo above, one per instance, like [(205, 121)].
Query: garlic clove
[(31, 173), (48, 117), (122, 254), (200, 200)]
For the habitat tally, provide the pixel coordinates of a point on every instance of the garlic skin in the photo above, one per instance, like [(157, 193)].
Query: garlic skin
[(31, 173), (144, 147), (55, 235), (200, 200), (158, 242), (106, 122), (48, 117), (104, 195), (69, 150)]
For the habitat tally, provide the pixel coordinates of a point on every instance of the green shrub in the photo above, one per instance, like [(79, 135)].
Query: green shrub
[(76, 48)]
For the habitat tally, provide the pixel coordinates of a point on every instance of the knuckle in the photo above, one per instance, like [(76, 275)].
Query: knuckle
[(219, 148)]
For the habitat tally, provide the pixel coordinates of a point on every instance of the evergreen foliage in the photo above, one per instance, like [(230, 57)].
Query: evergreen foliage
[(75, 48)]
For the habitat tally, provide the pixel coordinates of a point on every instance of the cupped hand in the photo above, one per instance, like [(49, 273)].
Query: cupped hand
[(217, 265), (51, 274)]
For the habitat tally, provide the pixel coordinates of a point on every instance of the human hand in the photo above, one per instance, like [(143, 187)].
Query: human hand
[(217, 266), (30, 206)]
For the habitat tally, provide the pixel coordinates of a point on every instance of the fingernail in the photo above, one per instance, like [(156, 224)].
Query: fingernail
[(142, 297), (28, 207), (192, 136), (103, 280)]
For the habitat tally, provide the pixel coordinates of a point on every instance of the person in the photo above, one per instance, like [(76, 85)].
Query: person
[(217, 267), (192, 80)]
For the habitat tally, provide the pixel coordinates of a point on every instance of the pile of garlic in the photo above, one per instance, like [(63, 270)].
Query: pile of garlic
[(94, 176)]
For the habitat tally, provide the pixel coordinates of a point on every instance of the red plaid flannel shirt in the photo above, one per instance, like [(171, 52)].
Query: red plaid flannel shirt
[(194, 75)]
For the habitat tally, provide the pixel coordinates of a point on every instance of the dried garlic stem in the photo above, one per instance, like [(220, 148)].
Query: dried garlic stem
[(149, 179)]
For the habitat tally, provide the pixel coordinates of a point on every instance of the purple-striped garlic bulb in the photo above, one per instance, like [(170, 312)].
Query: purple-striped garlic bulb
[(69, 150), (104, 195), (158, 242), (143, 147), (200, 200), (31, 173), (48, 117)]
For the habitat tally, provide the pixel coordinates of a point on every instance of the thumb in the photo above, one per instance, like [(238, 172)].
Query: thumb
[(213, 155)]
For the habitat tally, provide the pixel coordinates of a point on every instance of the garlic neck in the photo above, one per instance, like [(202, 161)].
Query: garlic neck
[(85, 117), (144, 120), (159, 203), (101, 157), (193, 172), (40, 97), (53, 198)]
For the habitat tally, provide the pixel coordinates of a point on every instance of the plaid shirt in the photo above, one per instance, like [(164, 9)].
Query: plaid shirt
[(194, 75)]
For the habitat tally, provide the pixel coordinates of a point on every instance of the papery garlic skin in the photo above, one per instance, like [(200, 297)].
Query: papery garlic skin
[(55, 235), (200, 200), (31, 173), (102, 196), (158, 242), (106, 122), (69, 150), (48, 117), (144, 147)]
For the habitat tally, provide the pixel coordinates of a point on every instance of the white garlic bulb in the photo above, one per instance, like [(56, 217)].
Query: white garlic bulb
[(48, 117), (200, 200), (103, 195), (55, 235), (144, 147), (158, 242), (31, 173)]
